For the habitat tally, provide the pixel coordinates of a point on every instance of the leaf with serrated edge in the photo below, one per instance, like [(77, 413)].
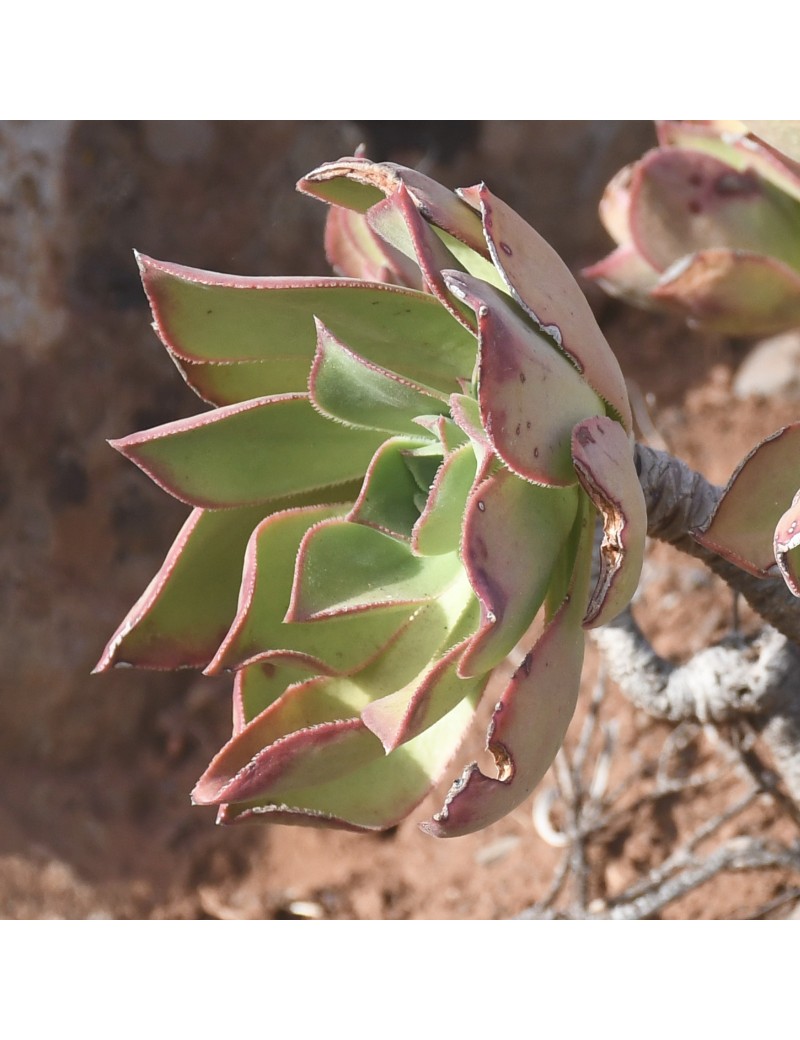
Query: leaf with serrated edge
[(603, 456), (403, 715), (513, 534), (530, 720), (354, 251), (386, 499), (345, 386), (301, 739), (256, 686), (544, 287), (185, 611), (438, 527), (202, 316), (358, 183), (224, 383), (376, 796), (341, 644), (307, 734), (787, 546), (264, 449), (345, 568), (742, 527), (398, 221), (530, 396)]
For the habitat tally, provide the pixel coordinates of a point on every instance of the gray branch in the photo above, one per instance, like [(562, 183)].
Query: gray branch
[(679, 500)]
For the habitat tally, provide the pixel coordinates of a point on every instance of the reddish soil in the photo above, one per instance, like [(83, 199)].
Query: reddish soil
[(112, 835), (119, 839)]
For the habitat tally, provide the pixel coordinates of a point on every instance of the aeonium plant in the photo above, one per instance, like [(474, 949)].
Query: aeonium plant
[(707, 225), (395, 497)]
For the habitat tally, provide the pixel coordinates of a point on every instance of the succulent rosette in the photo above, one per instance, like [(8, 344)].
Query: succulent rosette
[(394, 501), (707, 225)]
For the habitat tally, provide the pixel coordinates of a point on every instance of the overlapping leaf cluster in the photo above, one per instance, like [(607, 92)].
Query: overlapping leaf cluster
[(394, 501), (707, 225)]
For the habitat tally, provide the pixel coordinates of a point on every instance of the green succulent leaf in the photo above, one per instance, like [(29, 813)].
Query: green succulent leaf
[(344, 567), (257, 686), (387, 497), (743, 525), (513, 534), (205, 317), (309, 735), (261, 450), (349, 388), (626, 274), (183, 614), (223, 383), (733, 146), (359, 184), (376, 796), (339, 644), (403, 715), (438, 528)]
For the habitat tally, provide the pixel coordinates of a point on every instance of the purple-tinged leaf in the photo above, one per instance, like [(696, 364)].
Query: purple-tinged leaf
[(529, 721), (185, 611), (355, 251), (339, 645), (530, 396), (344, 568), (736, 293), (358, 183), (625, 274), (308, 736), (203, 317), (378, 795), (603, 457), (543, 285), (683, 201), (397, 220), (727, 140), (787, 546), (743, 525), (402, 716), (252, 452), (345, 386), (513, 534)]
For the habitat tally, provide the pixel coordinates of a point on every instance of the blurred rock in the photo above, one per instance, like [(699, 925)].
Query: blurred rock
[(771, 368)]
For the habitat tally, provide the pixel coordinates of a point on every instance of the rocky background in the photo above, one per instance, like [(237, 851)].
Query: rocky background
[(83, 531)]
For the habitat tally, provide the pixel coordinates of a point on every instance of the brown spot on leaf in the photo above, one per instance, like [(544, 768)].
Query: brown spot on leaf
[(584, 436), (506, 248)]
